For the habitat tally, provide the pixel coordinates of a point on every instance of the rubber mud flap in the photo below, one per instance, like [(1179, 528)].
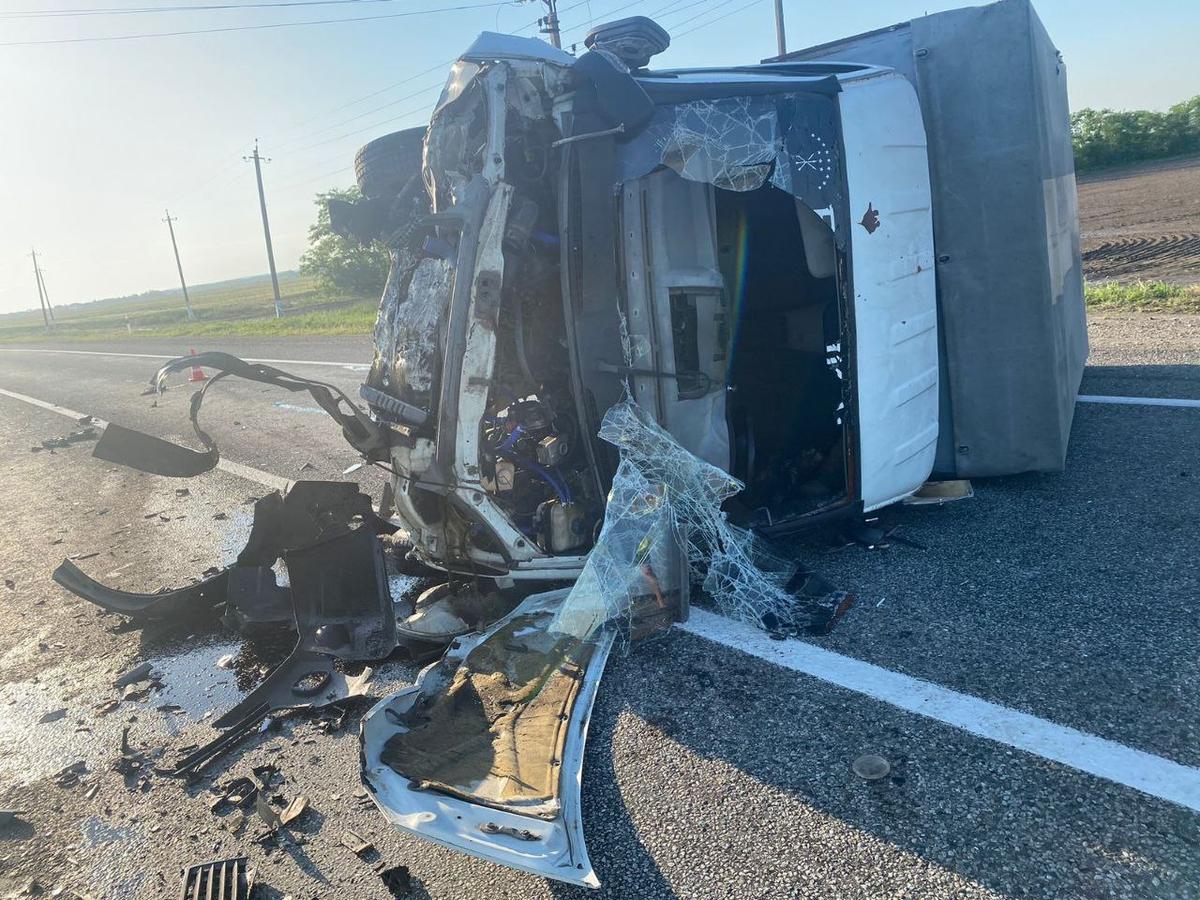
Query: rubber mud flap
[(147, 453)]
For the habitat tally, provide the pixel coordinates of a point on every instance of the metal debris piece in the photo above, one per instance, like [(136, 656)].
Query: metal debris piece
[(294, 810), (357, 845), (277, 820), (68, 776), (240, 792), (133, 676), (107, 706), (229, 879), (936, 493), (267, 813), (871, 767)]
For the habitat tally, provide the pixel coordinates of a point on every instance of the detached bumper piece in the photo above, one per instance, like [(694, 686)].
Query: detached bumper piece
[(147, 453)]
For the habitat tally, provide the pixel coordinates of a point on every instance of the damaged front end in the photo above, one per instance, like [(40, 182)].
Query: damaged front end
[(490, 473)]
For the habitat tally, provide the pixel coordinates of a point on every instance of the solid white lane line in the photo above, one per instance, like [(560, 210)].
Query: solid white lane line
[(354, 367), (1139, 401), (225, 465), (1106, 759), (1115, 762), (51, 407)]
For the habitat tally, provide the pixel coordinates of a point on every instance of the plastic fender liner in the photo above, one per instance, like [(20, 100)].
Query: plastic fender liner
[(202, 596)]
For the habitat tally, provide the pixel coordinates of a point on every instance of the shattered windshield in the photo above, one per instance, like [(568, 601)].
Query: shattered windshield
[(739, 143)]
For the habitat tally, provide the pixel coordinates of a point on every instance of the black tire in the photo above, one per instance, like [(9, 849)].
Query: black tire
[(386, 164)]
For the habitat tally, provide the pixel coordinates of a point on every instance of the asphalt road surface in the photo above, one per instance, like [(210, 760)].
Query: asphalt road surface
[(1069, 601)]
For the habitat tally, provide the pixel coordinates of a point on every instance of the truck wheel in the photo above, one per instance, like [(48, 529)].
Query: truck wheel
[(386, 164)]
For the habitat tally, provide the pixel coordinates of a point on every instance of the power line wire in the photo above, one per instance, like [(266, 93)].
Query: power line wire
[(133, 10), (229, 28), (719, 18), (712, 7), (361, 115)]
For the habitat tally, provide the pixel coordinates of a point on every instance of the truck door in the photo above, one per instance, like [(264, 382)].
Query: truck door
[(895, 301)]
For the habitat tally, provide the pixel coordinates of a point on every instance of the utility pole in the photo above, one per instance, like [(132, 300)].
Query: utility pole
[(549, 23), (41, 297), (41, 274), (779, 33), (262, 203), (179, 265)]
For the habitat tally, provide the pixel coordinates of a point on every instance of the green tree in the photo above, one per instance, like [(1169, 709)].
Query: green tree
[(1106, 137), (341, 265)]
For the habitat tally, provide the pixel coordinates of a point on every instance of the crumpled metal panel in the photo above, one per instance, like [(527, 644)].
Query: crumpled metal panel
[(409, 326)]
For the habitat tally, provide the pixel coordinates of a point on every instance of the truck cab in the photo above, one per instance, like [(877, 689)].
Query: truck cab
[(746, 253)]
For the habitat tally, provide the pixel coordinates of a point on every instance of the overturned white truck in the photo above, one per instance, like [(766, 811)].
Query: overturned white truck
[(638, 322), (618, 295), (799, 269)]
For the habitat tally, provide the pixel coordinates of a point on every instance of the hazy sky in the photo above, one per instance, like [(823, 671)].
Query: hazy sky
[(97, 138)]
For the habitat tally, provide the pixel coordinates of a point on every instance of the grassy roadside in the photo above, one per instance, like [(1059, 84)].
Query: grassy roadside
[(1143, 296), (221, 310)]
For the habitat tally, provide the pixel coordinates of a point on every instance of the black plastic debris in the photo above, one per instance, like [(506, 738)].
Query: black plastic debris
[(147, 453), (341, 599), (305, 680), (398, 880), (78, 436), (255, 599), (311, 513), (229, 879), (69, 776), (194, 599)]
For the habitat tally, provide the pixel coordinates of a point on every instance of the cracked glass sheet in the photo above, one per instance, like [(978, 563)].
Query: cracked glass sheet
[(406, 333), (741, 143), (663, 494)]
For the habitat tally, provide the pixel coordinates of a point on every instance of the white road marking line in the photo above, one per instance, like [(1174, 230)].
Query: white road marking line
[(225, 465), (1097, 756), (1106, 759), (353, 367), (1139, 401)]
